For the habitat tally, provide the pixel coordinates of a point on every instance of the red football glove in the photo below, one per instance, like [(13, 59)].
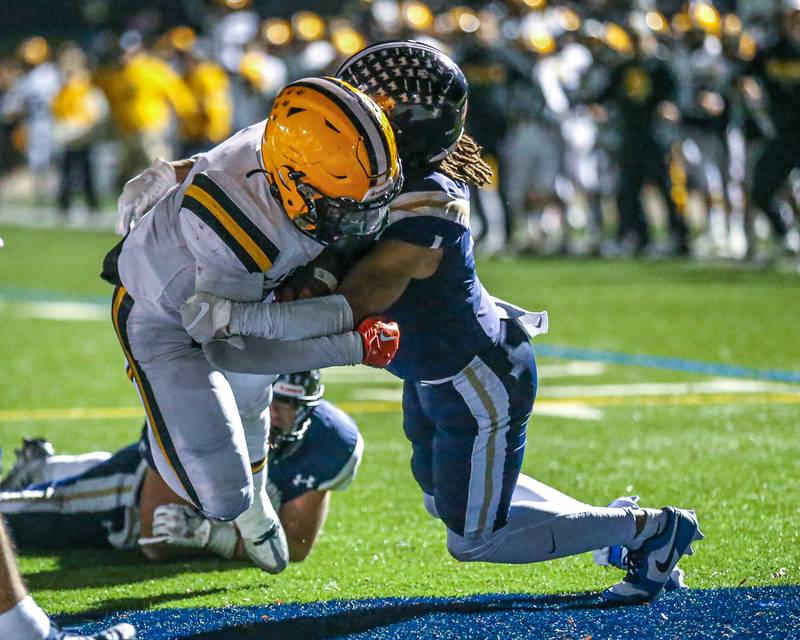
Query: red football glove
[(380, 339)]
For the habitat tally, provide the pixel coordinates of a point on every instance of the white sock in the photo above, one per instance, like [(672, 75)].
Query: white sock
[(535, 532), (527, 490), (261, 515), (262, 534), (26, 621), (530, 490)]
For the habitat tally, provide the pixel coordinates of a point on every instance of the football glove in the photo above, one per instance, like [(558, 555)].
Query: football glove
[(141, 192), (206, 317), (380, 340), (182, 526)]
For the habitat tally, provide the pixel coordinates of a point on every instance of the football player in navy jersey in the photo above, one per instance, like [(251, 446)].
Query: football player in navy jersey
[(101, 499), (468, 368)]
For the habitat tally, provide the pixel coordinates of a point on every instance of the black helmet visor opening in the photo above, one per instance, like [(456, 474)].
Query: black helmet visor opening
[(330, 219)]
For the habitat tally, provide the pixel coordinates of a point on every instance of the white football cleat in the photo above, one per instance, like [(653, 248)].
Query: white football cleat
[(270, 551), (31, 457)]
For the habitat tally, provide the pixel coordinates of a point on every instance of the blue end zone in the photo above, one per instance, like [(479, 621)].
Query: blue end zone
[(761, 612)]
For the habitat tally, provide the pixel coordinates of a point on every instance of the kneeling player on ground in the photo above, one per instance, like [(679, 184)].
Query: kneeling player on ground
[(100, 499)]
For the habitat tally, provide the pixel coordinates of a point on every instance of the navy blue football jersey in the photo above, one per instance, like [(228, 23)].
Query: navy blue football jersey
[(448, 318), (326, 459)]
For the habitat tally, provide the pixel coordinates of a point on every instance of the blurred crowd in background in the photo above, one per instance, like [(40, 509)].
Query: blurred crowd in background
[(615, 127)]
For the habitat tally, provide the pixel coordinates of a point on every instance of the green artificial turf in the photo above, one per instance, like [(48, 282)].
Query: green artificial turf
[(736, 462)]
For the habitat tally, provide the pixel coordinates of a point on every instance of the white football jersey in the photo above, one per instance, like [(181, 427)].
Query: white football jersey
[(220, 231)]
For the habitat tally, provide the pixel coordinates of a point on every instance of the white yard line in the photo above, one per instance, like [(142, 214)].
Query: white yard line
[(721, 385), (83, 311), (574, 368), (568, 411)]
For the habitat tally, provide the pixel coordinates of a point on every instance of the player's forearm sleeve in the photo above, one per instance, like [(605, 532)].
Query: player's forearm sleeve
[(275, 357), (297, 320)]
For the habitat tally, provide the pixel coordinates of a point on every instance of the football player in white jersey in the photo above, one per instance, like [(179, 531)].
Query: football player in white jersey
[(323, 166)]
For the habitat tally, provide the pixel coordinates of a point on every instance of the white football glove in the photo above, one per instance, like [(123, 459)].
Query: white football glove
[(141, 192), (182, 526), (206, 317)]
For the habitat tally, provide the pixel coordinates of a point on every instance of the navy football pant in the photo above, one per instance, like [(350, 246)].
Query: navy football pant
[(468, 434), (468, 439)]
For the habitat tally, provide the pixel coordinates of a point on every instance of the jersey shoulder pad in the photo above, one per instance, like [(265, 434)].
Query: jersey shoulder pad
[(327, 459), (429, 193), (431, 211), (207, 198), (337, 446)]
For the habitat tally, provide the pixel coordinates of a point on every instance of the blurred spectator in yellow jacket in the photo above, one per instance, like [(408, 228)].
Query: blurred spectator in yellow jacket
[(144, 92), (27, 102), (79, 111), (211, 89)]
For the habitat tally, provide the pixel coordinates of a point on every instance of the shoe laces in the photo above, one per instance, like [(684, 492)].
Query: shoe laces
[(636, 563)]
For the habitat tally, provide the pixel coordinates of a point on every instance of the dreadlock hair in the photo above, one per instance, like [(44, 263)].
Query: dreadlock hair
[(464, 163)]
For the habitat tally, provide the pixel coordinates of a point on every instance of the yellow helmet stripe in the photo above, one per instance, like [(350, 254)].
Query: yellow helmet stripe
[(208, 202), (368, 127)]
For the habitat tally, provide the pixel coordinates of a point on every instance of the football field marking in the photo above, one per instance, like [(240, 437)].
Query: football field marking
[(664, 388), (80, 311), (571, 407), (670, 364)]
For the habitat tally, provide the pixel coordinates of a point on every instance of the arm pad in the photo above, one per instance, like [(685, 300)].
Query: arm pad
[(297, 320), (275, 357)]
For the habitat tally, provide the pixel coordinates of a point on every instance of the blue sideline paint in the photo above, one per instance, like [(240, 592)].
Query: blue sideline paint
[(672, 364), (762, 612)]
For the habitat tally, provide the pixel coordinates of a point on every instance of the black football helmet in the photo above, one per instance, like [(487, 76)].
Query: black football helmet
[(422, 91), (303, 391)]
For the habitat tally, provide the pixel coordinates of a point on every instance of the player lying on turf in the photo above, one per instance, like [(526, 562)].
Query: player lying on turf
[(468, 368), (100, 499), (228, 229)]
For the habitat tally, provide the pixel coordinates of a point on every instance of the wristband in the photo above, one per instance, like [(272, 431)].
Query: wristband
[(326, 278)]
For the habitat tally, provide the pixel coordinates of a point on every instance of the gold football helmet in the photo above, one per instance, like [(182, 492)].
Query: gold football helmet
[(331, 159)]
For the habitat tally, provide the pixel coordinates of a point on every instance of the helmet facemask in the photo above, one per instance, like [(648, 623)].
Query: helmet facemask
[(329, 220), (303, 393), (284, 443)]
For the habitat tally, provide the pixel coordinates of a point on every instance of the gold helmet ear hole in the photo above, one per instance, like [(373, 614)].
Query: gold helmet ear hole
[(290, 203)]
